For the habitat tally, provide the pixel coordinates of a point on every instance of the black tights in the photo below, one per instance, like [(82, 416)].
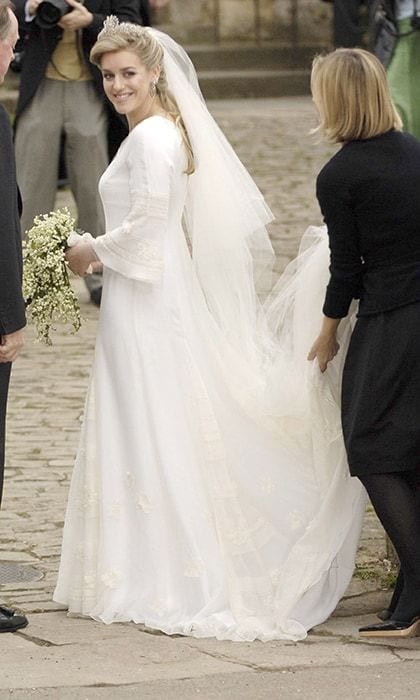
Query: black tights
[(395, 497)]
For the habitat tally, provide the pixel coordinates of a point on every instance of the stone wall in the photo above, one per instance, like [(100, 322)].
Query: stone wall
[(296, 22)]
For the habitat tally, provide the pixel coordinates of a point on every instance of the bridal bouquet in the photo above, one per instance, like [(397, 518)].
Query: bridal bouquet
[(46, 285)]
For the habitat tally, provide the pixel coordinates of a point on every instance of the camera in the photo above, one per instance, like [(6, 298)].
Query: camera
[(49, 12)]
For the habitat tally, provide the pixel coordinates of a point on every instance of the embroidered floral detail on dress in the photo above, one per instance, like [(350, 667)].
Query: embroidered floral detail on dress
[(242, 535), (89, 581), (295, 520), (150, 205), (87, 502), (267, 485), (275, 577), (137, 243), (267, 600), (193, 568), (130, 479), (159, 606), (79, 552), (112, 578), (75, 592), (114, 510), (141, 499), (146, 255), (144, 503), (224, 490), (207, 516)]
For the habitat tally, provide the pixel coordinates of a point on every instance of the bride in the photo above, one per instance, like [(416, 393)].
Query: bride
[(210, 495)]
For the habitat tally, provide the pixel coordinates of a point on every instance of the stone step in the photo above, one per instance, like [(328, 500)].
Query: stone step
[(225, 85), (230, 71), (253, 83), (251, 57)]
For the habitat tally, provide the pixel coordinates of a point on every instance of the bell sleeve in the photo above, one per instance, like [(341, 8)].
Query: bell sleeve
[(135, 248)]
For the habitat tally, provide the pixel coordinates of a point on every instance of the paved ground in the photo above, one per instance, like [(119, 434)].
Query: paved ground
[(61, 657)]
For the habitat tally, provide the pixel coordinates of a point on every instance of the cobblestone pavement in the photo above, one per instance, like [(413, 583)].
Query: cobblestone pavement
[(49, 384)]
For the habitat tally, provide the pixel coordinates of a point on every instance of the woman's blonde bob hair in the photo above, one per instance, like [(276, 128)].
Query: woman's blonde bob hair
[(127, 37), (351, 92)]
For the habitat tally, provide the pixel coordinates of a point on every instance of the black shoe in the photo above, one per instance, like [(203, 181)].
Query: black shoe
[(392, 628), (96, 295), (384, 614), (10, 621)]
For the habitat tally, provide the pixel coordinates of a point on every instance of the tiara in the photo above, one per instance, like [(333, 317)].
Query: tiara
[(112, 27)]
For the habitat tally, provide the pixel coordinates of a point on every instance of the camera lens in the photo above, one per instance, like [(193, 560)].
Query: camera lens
[(50, 12)]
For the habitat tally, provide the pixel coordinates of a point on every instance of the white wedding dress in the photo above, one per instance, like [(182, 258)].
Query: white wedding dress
[(191, 509)]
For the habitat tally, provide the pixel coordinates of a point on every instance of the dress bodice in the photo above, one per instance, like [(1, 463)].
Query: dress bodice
[(127, 173), (143, 192)]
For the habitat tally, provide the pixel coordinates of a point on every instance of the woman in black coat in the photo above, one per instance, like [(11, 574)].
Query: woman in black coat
[(369, 194)]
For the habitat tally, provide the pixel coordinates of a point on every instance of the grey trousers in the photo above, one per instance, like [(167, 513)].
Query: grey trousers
[(72, 108)]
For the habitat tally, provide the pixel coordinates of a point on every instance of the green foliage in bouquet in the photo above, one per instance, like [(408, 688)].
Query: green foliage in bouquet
[(46, 285)]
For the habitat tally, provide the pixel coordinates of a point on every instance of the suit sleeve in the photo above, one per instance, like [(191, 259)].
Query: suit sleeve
[(12, 306), (125, 10), (346, 266), (19, 11), (135, 248)]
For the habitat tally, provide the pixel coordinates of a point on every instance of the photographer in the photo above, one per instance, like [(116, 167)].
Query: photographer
[(61, 94), (396, 42)]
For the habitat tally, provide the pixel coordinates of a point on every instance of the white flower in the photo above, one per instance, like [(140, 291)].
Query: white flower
[(46, 284)]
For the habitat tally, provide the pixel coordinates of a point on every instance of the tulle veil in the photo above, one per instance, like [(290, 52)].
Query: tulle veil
[(266, 336), (226, 220)]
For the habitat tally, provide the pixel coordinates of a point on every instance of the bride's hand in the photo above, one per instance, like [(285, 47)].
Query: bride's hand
[(324, 350), (96, 266), (80, 257)]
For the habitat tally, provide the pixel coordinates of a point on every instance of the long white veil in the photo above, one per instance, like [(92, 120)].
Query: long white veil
[(226, 215), (226, 219)]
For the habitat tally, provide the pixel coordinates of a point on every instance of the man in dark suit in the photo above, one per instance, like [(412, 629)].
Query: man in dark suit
[(349, 22), (61, 94), (144, 8), (12, 307)]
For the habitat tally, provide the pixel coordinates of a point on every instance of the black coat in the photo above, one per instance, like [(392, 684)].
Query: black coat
[(39, 45), (369, 193), (12, 306), (145, 12)]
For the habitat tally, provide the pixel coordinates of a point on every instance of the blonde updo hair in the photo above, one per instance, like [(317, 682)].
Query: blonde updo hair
[(351, 92), (135, 38)]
